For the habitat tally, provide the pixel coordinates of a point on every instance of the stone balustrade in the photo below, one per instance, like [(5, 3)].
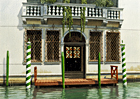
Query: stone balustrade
[(56, 10)]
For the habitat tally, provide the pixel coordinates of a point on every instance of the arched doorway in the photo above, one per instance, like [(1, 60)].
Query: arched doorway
[(74, 50)]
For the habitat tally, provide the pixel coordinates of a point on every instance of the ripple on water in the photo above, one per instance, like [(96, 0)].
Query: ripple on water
[(108, 92)]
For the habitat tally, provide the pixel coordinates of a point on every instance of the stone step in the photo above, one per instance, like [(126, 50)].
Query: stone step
[(74, 75)]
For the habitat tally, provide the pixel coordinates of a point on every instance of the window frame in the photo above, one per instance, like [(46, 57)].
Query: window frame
[(46, 42), (25, 47), (119, 50), (100, 47)]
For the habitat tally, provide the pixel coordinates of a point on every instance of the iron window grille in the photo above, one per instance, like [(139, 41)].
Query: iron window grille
[(113, 47), (52, 46), (36, 45), (95, 46)]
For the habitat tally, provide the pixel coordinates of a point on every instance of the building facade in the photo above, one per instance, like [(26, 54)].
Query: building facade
[(105, 28)]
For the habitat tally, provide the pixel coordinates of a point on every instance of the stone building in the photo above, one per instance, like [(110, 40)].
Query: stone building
[(105, 28)]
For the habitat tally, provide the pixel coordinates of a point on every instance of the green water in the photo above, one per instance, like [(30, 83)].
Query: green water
[(132, 91)]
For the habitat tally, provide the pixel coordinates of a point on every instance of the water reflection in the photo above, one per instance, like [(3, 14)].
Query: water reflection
[(63, 94), (6, 92), (28, 93), (35, 93), (50, 93), (108, 92), (124, 93), (114, 91), (99, 93), (76, 93), (59, 93)]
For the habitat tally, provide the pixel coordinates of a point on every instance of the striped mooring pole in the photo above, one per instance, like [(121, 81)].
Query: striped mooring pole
[(28, 66), (123, 64)]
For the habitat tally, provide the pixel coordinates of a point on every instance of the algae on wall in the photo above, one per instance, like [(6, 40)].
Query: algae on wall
[(48, 1), (68, 20), (67, 13), (104, 3)]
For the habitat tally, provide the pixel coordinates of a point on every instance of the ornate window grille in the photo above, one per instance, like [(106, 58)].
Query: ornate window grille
[(52, 48), (96, 46), (113, 47), (73, 52), (36, 45)]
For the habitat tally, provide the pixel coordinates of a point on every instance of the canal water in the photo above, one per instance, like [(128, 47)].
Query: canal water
[(132, 91)]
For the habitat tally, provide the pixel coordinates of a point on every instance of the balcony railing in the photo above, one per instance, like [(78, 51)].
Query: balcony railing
[(32, 10), (113, 14), (56, 10)]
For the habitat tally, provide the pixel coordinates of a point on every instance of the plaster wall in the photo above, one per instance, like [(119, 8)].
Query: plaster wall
[(130, 33), (12, 37)]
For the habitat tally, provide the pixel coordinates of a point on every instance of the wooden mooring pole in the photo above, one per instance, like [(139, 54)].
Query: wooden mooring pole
[(7, 69), (63, 70), (99, 70)]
